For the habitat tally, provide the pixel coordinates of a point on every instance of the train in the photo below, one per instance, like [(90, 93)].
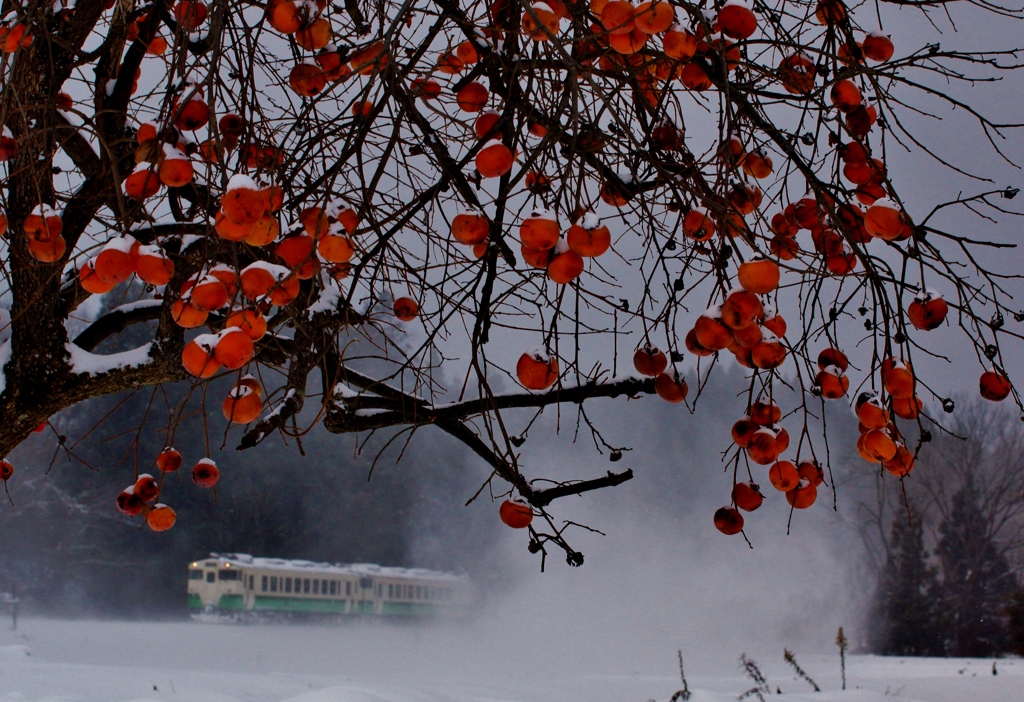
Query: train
[(241, 586)]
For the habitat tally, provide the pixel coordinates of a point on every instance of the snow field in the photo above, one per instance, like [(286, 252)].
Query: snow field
[(103, 661)]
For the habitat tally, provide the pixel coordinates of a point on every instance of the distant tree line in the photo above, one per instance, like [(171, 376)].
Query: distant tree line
[(949, 575)]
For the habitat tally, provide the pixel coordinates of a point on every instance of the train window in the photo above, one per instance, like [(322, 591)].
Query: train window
[(195, 575), (287, 584), (380, 591), (227, 575), (419, 592), (334, 589), (305, 586), (316, 587), (210, 576), (366, 583), (323, 587), (251, 586), (273, 583), (264, 583), (391, 590), (348, 587)]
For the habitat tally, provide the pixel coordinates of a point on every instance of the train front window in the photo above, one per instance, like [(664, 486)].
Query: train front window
[(210, 576), (227, 574), (195, 575)]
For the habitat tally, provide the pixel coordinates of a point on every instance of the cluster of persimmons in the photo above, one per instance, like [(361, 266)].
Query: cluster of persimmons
[(141, 497), (272, 243), (646, 42)]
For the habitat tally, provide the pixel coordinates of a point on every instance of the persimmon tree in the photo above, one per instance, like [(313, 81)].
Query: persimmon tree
[(359, 209)]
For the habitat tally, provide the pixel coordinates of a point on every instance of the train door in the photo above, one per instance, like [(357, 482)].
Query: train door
[(249, 588), (367, 602)]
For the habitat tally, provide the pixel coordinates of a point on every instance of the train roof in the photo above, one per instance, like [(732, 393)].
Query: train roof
[(350, 569)]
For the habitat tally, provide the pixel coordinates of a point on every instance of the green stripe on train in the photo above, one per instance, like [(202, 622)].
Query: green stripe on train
[(295, 604), (231, 602), (408, 609), (195, 601)]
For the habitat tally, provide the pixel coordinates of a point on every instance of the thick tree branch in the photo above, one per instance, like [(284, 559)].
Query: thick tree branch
[(116, 321)]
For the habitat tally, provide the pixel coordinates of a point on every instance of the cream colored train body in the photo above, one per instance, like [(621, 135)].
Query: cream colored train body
[(239, 584)]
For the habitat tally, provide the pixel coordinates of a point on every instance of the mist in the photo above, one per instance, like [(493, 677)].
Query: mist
[(660, 578)]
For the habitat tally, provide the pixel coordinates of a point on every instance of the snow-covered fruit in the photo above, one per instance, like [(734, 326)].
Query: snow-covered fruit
[(927, 311), (537, 370), (205, 473), (728, 520), (516, 513)]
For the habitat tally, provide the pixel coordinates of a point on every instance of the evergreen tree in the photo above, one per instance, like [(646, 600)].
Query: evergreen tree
[(1015, 623), (977, 581), (908, 593)]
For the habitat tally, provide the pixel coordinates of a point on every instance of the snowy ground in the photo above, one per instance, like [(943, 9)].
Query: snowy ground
[(132, 661)]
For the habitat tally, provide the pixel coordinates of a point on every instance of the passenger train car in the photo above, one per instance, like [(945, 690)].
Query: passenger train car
[(241, 585)]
